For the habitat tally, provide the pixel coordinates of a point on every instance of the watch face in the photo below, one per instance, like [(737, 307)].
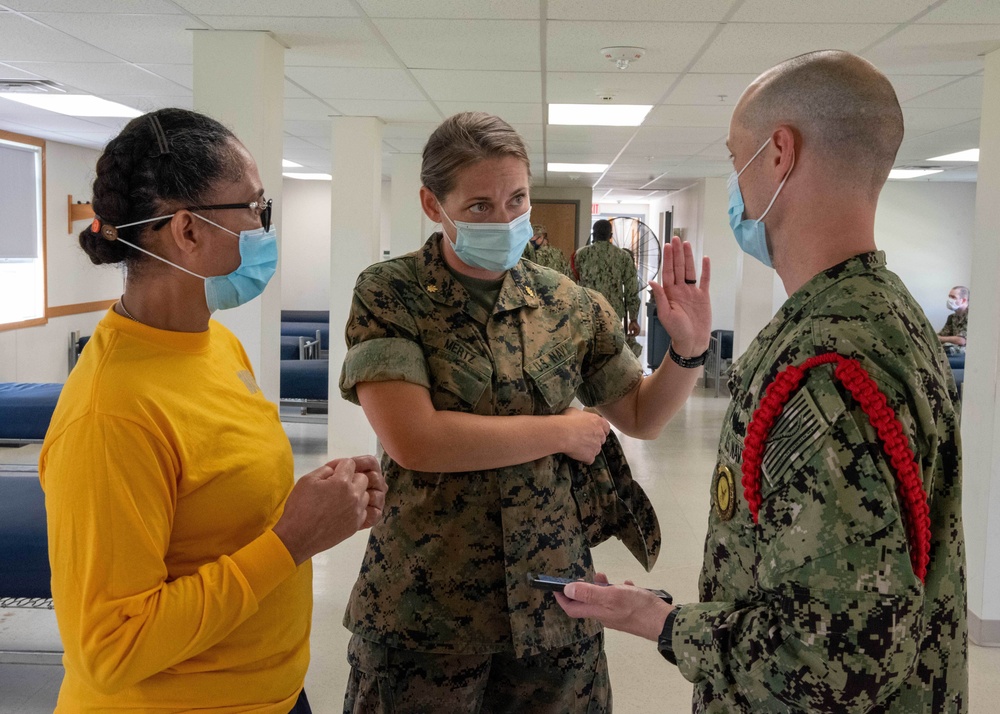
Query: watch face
[(724, 494)]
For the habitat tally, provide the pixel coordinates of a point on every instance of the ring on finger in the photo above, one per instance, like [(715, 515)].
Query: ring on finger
[(690, 282)]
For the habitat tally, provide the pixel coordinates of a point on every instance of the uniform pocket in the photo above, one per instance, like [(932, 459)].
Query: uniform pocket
[(556, 375), (459, 378)]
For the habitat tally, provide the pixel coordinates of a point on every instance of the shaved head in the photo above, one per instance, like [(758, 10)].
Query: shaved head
[(841, 105)]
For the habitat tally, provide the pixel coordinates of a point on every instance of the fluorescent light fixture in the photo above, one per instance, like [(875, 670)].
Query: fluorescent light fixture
[(286, 164), (912, 173), (74, 105), (598, 114), (308, 177), (577, 168), (967, 155)]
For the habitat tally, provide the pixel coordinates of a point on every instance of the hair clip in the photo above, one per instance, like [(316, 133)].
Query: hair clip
[(161, 136), (106, 232)]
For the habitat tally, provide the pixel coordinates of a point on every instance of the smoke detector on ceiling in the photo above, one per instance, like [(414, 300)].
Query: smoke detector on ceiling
[(623, 56), (31, 86)]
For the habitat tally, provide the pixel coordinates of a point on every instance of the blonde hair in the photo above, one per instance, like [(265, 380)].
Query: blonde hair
[(464, 139)]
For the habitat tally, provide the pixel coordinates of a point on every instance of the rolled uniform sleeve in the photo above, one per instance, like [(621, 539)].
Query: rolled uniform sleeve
[(609, 371), (834, 623), (382, 344)]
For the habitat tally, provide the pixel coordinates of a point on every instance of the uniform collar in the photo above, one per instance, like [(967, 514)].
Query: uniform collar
[(436, 280)]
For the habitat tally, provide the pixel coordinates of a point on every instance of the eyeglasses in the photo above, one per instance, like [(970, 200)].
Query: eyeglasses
[(263, 207)]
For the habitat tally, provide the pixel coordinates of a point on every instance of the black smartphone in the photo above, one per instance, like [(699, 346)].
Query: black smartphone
[(556, 585)]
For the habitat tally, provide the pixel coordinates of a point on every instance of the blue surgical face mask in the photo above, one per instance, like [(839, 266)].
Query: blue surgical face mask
[(258, 262), (492, 246), (750, 233)]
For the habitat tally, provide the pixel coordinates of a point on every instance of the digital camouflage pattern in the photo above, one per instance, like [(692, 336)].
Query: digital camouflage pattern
[(957, 325), (610, 270), (446, 568), (549, 257), (570, 680), (817, 609)]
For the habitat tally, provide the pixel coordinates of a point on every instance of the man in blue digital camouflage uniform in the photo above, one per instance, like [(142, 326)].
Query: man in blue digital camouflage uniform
[(834, 574)]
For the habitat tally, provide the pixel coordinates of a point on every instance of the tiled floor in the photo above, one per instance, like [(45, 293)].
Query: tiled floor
[(674, 470)]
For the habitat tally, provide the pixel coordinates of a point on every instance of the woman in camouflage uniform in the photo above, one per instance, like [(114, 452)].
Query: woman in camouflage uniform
[(466, 360)]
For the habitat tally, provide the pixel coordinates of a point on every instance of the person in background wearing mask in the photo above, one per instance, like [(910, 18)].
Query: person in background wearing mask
[(465, 360), (956, 328), (179, 546), (834, 572), (611, 271), (539, 251)]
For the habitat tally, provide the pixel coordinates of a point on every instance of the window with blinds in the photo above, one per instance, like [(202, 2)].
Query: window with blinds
[(22, 267)]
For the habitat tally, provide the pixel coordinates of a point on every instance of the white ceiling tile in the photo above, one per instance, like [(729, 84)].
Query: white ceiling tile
[(469, 86), (407, 146), (182, 74), (151, 103), (796, 11), (454, 9), (719, 90), (910, 86), (415, 130), (388, 110), (308, 109), (640, 10), (293, 90), (509, 112), (464, 44), (964, 94), (9, 71), (104, 78), (938, 143), (317, 41), (936, 49), (24, 40), (668, 115), (295, 143), (753, 47), (606, 149), (355, 83), (133, 7), (616, 135), (971, 12), (576, 46), (308, 129), (593, 156), (589, 87), (248, 8), (922, 120), (136, 38), (691, 135)]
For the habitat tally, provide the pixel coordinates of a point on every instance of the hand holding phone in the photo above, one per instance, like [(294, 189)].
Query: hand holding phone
[(553, 584)]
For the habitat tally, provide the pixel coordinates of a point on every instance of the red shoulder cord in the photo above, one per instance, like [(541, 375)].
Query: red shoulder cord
[(883, 418)]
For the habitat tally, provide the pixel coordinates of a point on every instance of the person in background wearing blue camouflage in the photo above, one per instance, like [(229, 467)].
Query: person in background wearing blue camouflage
[(466, 360), (834, 575), (611, 271)]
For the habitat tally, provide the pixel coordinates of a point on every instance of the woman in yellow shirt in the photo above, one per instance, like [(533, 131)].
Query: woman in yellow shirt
[(179, 546)]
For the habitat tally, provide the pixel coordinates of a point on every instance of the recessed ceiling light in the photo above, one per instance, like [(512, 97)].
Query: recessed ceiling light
[(74, 105), (598, 114), (308, 177), (286, 164), (912, 173), (967, 155), (578, 168)]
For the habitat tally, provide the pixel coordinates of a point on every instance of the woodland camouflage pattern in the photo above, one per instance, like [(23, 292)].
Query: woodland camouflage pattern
[(957, 325), (610, 270), (817, 609), (446, 568)]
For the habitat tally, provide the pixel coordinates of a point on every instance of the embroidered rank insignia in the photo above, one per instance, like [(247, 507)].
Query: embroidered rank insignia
[(531, 293), (724, 493), (432, 288)]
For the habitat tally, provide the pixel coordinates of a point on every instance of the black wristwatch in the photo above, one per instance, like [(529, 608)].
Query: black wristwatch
[(665, 643), (688, 362)]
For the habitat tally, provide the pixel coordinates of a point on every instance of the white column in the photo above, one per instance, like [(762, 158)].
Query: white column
[(755, 298), (980, 411), (406, 232), (239, 80), (355, 231)]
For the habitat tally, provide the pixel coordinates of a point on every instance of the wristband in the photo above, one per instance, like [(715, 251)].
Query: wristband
[(665, 643), (688, 362)]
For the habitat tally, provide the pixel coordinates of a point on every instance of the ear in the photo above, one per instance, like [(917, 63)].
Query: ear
[(785, 148), (185, 232), (429, 202)]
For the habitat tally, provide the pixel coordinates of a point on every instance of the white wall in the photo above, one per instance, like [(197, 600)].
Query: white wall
[(305, 245), (40, 354), (926, 230)]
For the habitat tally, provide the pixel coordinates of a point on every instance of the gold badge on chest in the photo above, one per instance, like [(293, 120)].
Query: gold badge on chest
[(724, 493)]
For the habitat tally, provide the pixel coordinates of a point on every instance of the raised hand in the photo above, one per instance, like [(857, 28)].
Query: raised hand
[(683, 305)]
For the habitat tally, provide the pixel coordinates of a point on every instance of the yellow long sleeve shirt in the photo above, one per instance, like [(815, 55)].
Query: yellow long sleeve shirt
[(164, 470)]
